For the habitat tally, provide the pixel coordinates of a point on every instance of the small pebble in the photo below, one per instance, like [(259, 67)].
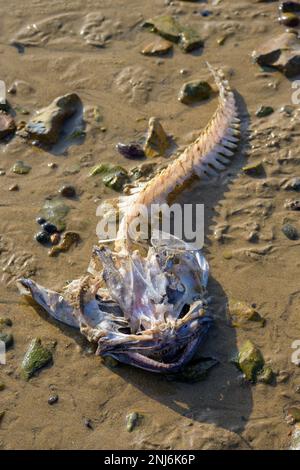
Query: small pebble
[(88, 423), (131, 150), (52, 165), (49, 228), (289, 19), (55, 238), (41, 220), (289, 6), (2, 386), (43, 238), (132, 421), (53, 399), (264, 111), (253, 237), (206, 13), (12, 89), (2, 173), (14, 187), (290, 232), (67, 191)]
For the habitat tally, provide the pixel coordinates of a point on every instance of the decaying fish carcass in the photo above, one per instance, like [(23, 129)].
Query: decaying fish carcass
[(145, 306)]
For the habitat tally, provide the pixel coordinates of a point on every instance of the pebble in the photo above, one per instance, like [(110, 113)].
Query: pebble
[(36, 357), (43, 238), (41, 220), (14, 187), (130, 150), (281, 52), (254, 169), (253, 237), (290, 232), (67, 191), (88, 423), (289, 19), (55, 238), (290, 6), (49, 228), (157, 140), (45, 127), (195, 91), (12, 90), (168, 27), (131, 421), (159, 46), (264, 111), (206, 13), (21, 168), (53, 399), (52, 165), (7, 125)]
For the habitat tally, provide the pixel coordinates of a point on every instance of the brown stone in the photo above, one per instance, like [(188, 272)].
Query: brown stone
[(281, 52), (159, 46), (7, 125)]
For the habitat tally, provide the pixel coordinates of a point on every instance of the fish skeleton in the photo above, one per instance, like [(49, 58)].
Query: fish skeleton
[(145, 306)]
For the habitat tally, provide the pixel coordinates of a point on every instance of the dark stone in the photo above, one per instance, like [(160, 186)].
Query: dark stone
[(43, 238), (281, 52), (289, 7), (131, 150), (264, 111), (41, 220), (53, 399), (49, 228), (67, 191), (7, 125), (290, 232)]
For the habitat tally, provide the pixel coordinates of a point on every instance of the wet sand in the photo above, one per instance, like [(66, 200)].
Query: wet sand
[(221, 412)]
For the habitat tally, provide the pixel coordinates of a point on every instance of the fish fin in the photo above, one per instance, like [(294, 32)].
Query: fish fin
[(54, 303)]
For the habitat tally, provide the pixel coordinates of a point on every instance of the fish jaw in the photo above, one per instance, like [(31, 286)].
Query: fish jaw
[(165, 348), (53, 302), (133, 356)]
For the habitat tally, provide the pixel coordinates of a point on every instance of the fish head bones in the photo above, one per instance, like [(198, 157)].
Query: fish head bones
[(146, 311)]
